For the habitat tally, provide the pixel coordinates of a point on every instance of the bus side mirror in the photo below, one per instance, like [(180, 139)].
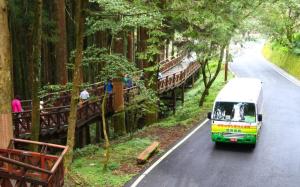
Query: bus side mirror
[(209, 115), (259, 117)]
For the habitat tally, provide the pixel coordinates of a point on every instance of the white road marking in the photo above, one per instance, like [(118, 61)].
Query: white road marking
[(140, 178)]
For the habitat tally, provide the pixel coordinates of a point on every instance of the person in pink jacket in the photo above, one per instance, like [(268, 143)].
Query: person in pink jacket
[(16, 105)]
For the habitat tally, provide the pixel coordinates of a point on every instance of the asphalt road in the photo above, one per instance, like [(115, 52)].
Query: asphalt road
[(274, 162)]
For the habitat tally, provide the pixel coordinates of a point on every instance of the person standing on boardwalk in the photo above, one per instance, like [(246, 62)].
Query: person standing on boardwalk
[(108, 87), (16, 104), (84, 96), (127, 81)]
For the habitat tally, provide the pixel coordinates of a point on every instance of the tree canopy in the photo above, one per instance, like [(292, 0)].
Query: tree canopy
[(280, 21)]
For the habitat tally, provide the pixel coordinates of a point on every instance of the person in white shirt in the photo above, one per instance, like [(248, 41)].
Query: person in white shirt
[(159, 75), (84, 95), (41, 105)]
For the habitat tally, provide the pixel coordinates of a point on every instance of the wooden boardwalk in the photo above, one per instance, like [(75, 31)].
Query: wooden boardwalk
[(54, 119)]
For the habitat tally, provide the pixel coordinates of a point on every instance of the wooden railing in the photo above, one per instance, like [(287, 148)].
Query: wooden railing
[(20, 167), (63, 98), (167, 64), (178, 78), (130, 93), (55, 120)]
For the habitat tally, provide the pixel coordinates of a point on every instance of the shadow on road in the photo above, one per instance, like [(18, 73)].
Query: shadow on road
[(244, 148)]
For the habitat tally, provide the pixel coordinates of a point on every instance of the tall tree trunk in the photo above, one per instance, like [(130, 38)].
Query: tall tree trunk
[(208, 82), (167, 48), (118, 43), (61, 46), (71, 43), (79, 18), (6, 130), (36, 66), (18, 81), (130, 46), (142, 45), (29, 58), (45, 64), (118, 119), (150, 76)]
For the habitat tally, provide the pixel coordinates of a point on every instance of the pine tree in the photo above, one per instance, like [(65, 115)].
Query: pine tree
[(5, 78)]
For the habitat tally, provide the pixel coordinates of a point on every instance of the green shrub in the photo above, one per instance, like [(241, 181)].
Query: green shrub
[(283, 57), (113, 166), (86, 151)]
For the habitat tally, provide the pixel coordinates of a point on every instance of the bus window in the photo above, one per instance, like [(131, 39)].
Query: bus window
[(235, 111)]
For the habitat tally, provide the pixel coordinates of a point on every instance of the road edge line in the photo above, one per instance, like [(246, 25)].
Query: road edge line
[(283, 73), (140, 178)]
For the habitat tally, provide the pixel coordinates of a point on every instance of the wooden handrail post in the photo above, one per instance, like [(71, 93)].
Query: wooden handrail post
[(174, 81)]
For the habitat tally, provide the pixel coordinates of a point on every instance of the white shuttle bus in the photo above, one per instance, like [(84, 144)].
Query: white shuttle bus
[(237, 112)]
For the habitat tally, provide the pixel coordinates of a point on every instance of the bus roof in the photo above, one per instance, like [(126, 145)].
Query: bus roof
[(241, 90)]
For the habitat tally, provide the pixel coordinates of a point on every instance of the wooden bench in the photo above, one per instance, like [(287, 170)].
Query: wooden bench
[(147, 153)]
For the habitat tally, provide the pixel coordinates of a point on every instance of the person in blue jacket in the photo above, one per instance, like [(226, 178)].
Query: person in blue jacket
[(108, 87), (127, 81)]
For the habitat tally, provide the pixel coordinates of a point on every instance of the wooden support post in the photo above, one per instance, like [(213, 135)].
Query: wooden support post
[(98, 131), (193, 80), (77, 137), (80, 137), (174, 100), (182, 93), (87, 135)]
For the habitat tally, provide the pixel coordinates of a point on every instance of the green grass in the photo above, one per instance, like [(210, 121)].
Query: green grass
[(283, 58), (88, 162)]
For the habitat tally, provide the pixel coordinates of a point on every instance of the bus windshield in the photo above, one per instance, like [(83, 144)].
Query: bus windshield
[(235, 111)]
